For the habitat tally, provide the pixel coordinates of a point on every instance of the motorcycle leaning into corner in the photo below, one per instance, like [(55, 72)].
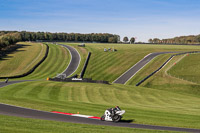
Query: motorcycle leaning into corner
[(113, 114)]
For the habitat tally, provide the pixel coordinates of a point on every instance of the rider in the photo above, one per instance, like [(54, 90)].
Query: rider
[(114, 110)]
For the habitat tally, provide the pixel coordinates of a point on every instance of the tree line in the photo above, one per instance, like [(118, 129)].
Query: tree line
[(77, 37), (192, 39), (126, 40), (10, 37)]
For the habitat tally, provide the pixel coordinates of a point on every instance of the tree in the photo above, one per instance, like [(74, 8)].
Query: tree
[(125, 39), (132, 40), (150, 40), (156, 40), (198, 39)]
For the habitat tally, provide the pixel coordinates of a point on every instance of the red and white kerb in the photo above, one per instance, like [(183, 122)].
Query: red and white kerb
[(78, 115)]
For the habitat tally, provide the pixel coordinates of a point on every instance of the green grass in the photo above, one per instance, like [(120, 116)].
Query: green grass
[(148, 69), (187, 69), (55, 63), (110, 65), (163, 80), (164, 99), (23, 59), (142, 105), (10, 124), (83, 54)]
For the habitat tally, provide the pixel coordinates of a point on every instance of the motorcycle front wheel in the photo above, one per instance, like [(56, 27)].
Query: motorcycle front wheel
[(103, 118)]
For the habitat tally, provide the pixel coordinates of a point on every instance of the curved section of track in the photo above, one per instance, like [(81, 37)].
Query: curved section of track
[(74, 63), (125, 77), (2, 84), (36, 114)]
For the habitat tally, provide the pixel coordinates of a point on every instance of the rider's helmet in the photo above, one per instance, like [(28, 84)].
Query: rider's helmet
[(117, 107)]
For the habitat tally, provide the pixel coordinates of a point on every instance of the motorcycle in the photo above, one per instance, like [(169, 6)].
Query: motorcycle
[(114, 115)]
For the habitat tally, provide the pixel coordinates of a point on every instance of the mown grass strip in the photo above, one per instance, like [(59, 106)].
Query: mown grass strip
[(188, 68), (11, 124), (110, 65), (56, 62), (142, 105), (24, 60)]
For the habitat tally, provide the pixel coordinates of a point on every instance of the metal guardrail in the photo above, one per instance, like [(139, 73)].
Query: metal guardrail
[(31, 70), (86, 80), (164, 65), (85, 65)]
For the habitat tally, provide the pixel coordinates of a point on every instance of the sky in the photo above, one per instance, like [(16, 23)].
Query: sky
[(143, 19)]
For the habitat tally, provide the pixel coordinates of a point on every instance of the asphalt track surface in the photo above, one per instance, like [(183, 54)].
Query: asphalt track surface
[(125, 77), (36, 114), (2, 84), (74, 63)]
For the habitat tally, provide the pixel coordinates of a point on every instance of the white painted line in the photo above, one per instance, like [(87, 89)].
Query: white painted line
[(131, 68), (71, 60), (166, 64), (140, 69), (36, 57), (78, 63), (84, 116)]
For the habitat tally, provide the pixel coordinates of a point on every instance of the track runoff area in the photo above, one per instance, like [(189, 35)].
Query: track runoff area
[(78, 118), (81, 118)]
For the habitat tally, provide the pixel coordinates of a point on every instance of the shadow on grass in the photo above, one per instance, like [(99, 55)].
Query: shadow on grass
[(11, 50)]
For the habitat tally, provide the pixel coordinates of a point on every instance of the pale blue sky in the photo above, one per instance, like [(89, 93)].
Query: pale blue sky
[(143, 19)]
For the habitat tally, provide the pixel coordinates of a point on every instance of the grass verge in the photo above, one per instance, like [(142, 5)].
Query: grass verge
[(55, 63), (23, 59), (110, 65), (10, 124), (187, 69), (142, 105)]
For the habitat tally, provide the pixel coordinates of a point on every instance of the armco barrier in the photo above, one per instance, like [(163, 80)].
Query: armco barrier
[(87, 80), (33, 69), (85, 65), (164, 65)]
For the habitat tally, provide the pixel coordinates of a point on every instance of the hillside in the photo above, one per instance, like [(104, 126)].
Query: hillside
[(24, 58), (161, 100)]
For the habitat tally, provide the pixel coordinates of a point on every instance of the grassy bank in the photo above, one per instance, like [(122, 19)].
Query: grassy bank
[(10, 124), (23, 59), (110, 65), (164, 99), (55, 63), (188, 68), (142, 105), (163, 80)]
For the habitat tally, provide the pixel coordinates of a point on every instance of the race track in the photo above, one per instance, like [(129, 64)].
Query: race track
[(36, 114), (75, 61), (125, 77), (2, 84)]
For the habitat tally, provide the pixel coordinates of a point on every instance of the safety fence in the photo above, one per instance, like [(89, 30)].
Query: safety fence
[(87, 80), (32, 69), (164, 65), (85, 65)]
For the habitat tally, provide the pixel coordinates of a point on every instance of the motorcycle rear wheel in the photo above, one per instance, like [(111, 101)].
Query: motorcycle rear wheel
[(116, 118)]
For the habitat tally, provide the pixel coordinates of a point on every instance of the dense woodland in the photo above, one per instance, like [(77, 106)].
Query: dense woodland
[(178, 40), (10, 37)]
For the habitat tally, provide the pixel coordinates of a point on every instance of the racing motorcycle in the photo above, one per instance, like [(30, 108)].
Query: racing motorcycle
[(114, 115)]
